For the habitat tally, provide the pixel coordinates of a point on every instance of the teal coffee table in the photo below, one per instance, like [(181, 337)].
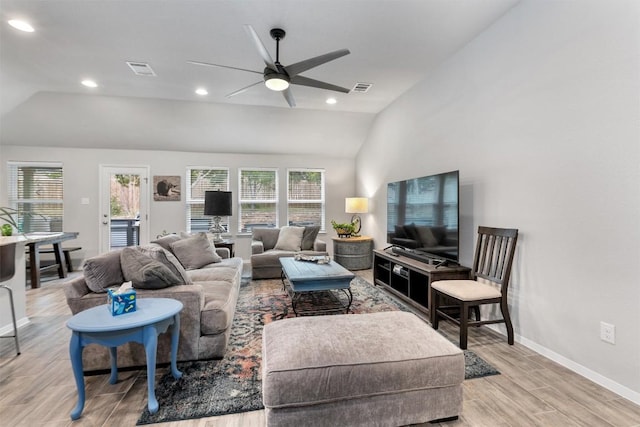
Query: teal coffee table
[(305, 277), (97, 326)]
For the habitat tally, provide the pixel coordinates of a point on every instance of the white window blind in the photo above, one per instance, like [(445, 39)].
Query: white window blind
[(199, 180), (305, 197), (258, 199), (35, 190)]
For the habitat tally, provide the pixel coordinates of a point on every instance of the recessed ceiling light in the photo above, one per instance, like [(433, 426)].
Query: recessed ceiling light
[(89, 83), (331, 101), (21, 25), (202, 91)]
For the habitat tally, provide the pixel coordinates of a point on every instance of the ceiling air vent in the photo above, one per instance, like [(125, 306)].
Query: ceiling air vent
[(362, 87), (141, 69)]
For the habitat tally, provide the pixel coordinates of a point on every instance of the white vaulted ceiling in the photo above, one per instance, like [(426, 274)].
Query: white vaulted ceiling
[(393, 44)]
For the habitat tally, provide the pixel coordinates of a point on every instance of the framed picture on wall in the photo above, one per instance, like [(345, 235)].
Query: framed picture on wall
[(166, 188)]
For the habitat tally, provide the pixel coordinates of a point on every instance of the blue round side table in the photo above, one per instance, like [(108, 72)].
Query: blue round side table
[(96, 325)]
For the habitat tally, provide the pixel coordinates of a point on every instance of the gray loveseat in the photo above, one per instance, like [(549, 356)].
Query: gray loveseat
[(209, 293), (267, 247)]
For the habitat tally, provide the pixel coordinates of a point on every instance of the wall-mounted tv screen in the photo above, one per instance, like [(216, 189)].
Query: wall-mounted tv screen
[(423, 214)]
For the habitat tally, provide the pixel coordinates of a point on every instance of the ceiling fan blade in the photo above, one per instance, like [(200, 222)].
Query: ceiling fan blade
[(207, 64), (307, 64), (239, 91), (288, 95), (306, 81), (264, 53)]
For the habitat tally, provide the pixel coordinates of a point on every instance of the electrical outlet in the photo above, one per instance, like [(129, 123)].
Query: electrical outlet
[(608, 332)]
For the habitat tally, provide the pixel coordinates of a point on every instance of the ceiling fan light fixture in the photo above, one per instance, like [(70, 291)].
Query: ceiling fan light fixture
[(277, 82), (89, 83), (21, 25)]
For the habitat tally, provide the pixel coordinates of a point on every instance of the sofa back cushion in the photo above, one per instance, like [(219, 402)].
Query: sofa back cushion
[(268, 236), (309, 237), (290, 239), (165, 257), (144, 272), (103, 271), (166, 241), (195, 251)]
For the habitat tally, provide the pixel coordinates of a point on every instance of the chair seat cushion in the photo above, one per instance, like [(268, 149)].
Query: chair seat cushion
[(466, 290)]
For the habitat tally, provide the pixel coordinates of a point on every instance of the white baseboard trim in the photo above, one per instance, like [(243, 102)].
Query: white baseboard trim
[(597, 378), (8, 329)]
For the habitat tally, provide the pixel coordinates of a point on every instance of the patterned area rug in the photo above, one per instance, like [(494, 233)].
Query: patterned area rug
[(233, 384)]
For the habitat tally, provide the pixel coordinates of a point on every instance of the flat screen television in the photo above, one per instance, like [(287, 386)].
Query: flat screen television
[(423, 215)]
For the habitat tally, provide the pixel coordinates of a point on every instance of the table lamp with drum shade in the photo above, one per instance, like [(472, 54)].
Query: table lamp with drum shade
[(356, 205), (217, 204)]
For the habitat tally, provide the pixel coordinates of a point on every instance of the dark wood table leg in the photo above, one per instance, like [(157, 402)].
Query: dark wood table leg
[(34, 265), (57, 251)]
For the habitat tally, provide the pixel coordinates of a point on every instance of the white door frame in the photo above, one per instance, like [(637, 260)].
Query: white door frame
[(104, 215)]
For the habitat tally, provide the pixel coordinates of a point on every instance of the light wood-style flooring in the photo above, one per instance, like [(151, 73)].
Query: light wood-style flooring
[(37, 387)]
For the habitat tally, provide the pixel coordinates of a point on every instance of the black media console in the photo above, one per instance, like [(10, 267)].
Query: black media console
[(410, 279)]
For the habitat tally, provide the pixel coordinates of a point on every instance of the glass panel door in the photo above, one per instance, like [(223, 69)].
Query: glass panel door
[(124, 207)]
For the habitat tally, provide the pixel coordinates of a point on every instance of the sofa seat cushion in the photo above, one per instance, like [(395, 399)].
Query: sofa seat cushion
[(272, 257), (235, 263), (219, 306), (315, 360), (213, 273)]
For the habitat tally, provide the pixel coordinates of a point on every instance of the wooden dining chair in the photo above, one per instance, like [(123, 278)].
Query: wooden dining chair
[(489, 284)]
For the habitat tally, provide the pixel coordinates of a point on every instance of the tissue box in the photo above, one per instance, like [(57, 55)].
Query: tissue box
[(121, 303)]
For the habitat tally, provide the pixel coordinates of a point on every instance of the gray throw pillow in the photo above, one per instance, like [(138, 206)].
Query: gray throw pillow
[(165, 257), (144, 272), (195, 252), (309, 237), (103, 271), (166, 241), (290, 238)]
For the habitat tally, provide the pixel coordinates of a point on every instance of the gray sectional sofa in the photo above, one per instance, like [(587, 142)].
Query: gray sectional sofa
[(192, 271)]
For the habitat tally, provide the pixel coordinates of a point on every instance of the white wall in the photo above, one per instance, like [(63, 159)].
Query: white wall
[(81, 178), (541, 116)]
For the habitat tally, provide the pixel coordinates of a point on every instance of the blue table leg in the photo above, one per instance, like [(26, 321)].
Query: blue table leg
[(75, 352), (175, 336), (150, 337), (113, 351)]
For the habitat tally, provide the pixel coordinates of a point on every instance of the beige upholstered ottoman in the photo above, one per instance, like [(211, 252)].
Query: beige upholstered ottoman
[(379, 369)]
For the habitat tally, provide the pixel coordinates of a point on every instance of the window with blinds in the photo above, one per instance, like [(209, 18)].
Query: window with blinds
[(258, 199), (199, 180), (35, 190), (305, 197)]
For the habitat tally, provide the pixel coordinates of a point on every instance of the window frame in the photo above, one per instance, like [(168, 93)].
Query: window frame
[(321, 201), (241, 200), (13, 171), (191, 201)]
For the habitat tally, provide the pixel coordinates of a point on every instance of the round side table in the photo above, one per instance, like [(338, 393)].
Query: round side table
[(96, 325), (353, 253)]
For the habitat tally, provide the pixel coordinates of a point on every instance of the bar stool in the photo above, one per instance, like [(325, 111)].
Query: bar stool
[(7, 270)]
